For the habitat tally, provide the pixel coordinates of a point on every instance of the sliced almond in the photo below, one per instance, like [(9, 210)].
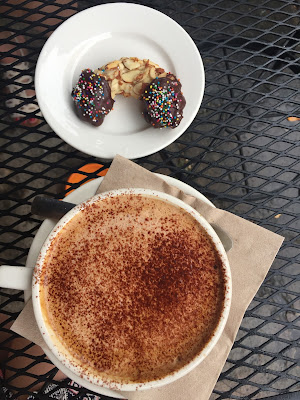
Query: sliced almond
[(131, 63), (125, 87), (111, 74), (130, 76), (159, 71), (146, 72), (115, 88), (121, 66), (138, 78), (113, 64), (163, 75), (153, 73), (148, 79), (138, 88)]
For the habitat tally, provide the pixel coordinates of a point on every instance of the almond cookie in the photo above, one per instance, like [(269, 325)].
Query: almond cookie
[(130, 76)]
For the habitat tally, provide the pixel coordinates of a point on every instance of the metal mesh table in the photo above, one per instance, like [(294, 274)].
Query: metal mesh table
[(242, 152)]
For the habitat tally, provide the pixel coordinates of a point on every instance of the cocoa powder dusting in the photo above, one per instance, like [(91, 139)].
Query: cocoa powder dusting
[(133, 288)]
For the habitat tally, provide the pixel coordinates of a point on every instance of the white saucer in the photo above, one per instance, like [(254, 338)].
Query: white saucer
[(77, 196), (91, 39)]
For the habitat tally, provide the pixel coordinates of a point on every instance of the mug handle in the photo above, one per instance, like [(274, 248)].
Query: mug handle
[(19, 278)]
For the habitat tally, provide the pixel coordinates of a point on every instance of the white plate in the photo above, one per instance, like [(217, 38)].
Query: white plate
[(91, 39), (81, 194)]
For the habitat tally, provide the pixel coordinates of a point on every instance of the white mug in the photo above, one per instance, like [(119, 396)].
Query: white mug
[(21, 278)]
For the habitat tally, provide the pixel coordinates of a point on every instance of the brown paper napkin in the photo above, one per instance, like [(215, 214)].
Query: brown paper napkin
[(254, 249)]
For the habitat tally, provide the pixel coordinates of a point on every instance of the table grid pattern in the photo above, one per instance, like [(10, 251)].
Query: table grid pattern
[(242, 152)]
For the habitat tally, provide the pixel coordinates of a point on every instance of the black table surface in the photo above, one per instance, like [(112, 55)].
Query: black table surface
[(241, 151)]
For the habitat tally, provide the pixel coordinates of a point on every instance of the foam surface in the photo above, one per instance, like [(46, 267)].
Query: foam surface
[(133, 288)]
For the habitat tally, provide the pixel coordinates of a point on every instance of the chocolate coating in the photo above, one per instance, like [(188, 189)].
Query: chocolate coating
[(163, 102), (92, 97)]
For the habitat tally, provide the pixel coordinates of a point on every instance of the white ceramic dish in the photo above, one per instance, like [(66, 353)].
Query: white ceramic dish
[(91, 39)]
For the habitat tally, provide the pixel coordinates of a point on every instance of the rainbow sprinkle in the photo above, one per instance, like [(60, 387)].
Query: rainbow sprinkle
[(88, 93), (161, 102)]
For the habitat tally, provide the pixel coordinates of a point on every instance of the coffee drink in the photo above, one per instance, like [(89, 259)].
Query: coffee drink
[(133, 287)]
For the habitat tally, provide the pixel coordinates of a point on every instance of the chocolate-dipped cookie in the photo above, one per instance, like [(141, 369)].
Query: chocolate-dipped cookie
[(163, 102), (92, 97)]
